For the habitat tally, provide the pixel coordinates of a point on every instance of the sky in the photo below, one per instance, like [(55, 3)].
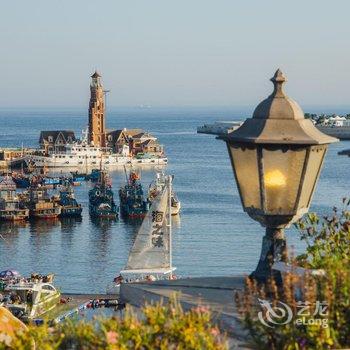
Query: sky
[(173, 53)]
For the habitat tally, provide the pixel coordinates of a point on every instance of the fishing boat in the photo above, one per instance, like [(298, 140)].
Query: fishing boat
[(21, 180), (94, 175), (101, 201), (51, 180), (29, 300), (78, 177), (10, 205), (133, 203), (41, 205), (150, 257), (156, 187), (68, 203)]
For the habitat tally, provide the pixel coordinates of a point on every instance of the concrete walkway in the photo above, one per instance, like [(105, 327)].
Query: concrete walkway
[(215, 292)]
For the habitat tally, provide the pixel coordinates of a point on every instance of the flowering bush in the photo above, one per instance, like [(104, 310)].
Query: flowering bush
[(279, 324), (160, 327)]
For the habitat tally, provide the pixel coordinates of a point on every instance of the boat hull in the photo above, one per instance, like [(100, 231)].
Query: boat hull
[(14, 216), (71, 212), (127, 212), (101, 214), (106, 161), (48, 214)]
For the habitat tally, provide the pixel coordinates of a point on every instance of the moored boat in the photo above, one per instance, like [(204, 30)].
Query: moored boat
[(10, 205), (82, 154), (157, 186), (78, 177), (41, 205), (21, 180), (51, 180), (101, 199), (133, 203), (29, 300), (68, 203), (95, 174)]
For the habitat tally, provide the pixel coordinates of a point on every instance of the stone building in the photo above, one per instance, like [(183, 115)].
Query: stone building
[(97, 122)]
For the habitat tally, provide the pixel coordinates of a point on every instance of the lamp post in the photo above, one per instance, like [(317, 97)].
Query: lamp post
[(276, 158)]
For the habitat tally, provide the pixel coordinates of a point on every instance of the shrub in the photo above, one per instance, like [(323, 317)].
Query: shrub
[(160, 327), (328, 248)]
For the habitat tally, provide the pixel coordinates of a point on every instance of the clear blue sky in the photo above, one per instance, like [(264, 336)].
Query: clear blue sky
[(173, 53)]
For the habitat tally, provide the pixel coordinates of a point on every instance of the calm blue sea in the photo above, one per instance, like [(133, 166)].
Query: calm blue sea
[(212, 236)]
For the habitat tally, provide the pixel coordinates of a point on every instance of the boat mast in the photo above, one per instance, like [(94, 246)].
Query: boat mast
[(169, 227)]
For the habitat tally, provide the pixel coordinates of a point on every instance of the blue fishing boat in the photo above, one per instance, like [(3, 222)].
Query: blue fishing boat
[(95, 175), (133, 203), (101, 201), (68, 203), (78, 177), (21, 180), (51, 180)]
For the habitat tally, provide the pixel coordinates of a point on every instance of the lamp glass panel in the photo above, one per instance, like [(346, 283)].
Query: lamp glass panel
[(245, 164), (311, 174), (282, 169)]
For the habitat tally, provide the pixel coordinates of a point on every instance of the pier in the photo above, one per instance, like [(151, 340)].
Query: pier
[(217, 293)]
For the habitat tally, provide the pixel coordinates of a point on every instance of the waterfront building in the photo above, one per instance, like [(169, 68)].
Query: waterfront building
[(97, 118), (118, 141), (144, 142), (56, 140), (133, 142), (98, 145)]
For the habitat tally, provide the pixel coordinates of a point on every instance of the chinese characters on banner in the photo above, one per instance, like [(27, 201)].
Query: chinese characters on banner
[(157, 229)]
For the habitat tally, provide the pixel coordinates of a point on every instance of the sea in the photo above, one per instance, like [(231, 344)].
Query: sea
[(211, 237)]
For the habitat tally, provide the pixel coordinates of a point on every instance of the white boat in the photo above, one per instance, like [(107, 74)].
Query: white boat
[(157, 186), (80, 154), (31, 299), (150, 258), (341, 132), (219, 128)]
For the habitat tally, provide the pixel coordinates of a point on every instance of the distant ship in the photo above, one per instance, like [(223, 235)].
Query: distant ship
[(340, 132), (219, 128), (338, 129)]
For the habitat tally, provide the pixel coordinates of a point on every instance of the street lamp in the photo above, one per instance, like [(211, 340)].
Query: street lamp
[(276, 158)]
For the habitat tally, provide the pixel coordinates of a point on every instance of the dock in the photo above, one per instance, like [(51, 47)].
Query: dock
[(217, 293)]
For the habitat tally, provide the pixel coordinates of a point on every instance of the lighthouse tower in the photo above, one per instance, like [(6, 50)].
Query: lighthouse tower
[(97, 123)]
